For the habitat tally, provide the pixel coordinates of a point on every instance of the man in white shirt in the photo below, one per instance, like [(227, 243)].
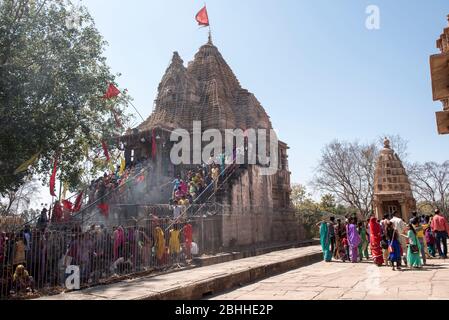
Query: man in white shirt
[(400, 226)]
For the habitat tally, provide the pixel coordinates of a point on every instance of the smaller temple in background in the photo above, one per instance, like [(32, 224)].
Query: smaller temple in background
[(392, 190)]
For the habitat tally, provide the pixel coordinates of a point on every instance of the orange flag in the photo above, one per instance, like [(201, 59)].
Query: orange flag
[(202, 17)]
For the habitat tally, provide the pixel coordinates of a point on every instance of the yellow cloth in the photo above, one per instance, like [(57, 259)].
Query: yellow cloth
[(122, 166), (160, 243), (174, 243), (20, 274), (420, 232), (24, 166), (215, 173), (184, 202)]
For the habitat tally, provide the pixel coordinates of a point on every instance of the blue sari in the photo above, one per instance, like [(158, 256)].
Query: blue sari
[(325, 242)]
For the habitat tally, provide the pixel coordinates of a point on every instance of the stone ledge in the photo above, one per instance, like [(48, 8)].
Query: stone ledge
[(200, 282), (246, 253), (220, 284)]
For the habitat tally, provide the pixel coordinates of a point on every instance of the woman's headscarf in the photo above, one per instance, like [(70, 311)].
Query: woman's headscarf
[(20, 272)]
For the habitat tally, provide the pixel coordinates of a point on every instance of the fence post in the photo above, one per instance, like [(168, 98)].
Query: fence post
[(202, 235)]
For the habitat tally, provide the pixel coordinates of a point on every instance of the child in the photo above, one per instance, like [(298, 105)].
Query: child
[(430, 238), (394, 247)]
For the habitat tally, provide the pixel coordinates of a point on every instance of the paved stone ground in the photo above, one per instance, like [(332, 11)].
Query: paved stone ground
[(193, 283), (347, 281)]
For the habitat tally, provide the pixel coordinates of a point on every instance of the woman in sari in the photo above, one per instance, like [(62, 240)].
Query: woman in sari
[(325, 242), (340, 235), (394, 247), (353, 240), (375, 238), (414, 246), (363, 246)]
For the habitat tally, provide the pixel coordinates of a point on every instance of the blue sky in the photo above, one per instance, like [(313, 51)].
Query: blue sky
[(313, 65)]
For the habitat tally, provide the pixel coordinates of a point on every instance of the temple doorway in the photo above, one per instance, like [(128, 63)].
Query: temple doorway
[(390, 207)]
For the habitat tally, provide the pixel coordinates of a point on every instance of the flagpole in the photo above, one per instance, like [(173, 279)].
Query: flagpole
[(128, 101), (210, 29)]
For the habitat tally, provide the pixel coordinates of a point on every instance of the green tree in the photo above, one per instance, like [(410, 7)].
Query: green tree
[(328, 203), (53, 75)]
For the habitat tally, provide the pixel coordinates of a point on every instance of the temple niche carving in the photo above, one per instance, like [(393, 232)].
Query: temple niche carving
[(392, 190)]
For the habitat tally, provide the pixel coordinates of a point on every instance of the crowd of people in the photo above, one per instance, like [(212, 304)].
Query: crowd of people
[(189, 187), (115, 180), (390, 241), (37, 258)]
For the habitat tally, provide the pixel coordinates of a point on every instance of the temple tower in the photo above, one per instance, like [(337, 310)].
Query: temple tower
[(392, 190)]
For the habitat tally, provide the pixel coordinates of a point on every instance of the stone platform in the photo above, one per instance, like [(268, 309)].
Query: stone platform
[(348, 281), (200, 282)]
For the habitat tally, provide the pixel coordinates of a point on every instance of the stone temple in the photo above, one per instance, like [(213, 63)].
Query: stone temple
[(392, 190), (255, 208)]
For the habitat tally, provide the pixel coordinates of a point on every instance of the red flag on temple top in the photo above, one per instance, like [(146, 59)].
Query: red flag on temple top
[(104, 208), (153, 144), (202, 17), (78, 202), (105, 150), (53, 177)]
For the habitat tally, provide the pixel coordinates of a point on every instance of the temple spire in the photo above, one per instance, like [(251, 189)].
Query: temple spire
[(210, 38)]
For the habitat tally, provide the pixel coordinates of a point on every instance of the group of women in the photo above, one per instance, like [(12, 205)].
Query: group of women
[(388, 242)]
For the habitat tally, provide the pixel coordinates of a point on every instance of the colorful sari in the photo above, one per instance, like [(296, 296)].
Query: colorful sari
[(413, 259), (354, 241), (325, 242), (375, 239), (363, 246), (340, 235)]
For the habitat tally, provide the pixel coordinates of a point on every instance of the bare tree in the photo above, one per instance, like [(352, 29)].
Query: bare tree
[(430, 183), (13, 202), (346, 170)]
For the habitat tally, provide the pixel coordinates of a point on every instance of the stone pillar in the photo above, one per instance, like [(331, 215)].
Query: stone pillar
[(378, 210), (404, 211)]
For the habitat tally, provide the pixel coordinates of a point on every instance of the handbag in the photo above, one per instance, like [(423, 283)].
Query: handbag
[(390, 247), (414, 248)]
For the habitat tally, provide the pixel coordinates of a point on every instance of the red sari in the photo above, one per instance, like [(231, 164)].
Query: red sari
[(375, 239), (188, 239)]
